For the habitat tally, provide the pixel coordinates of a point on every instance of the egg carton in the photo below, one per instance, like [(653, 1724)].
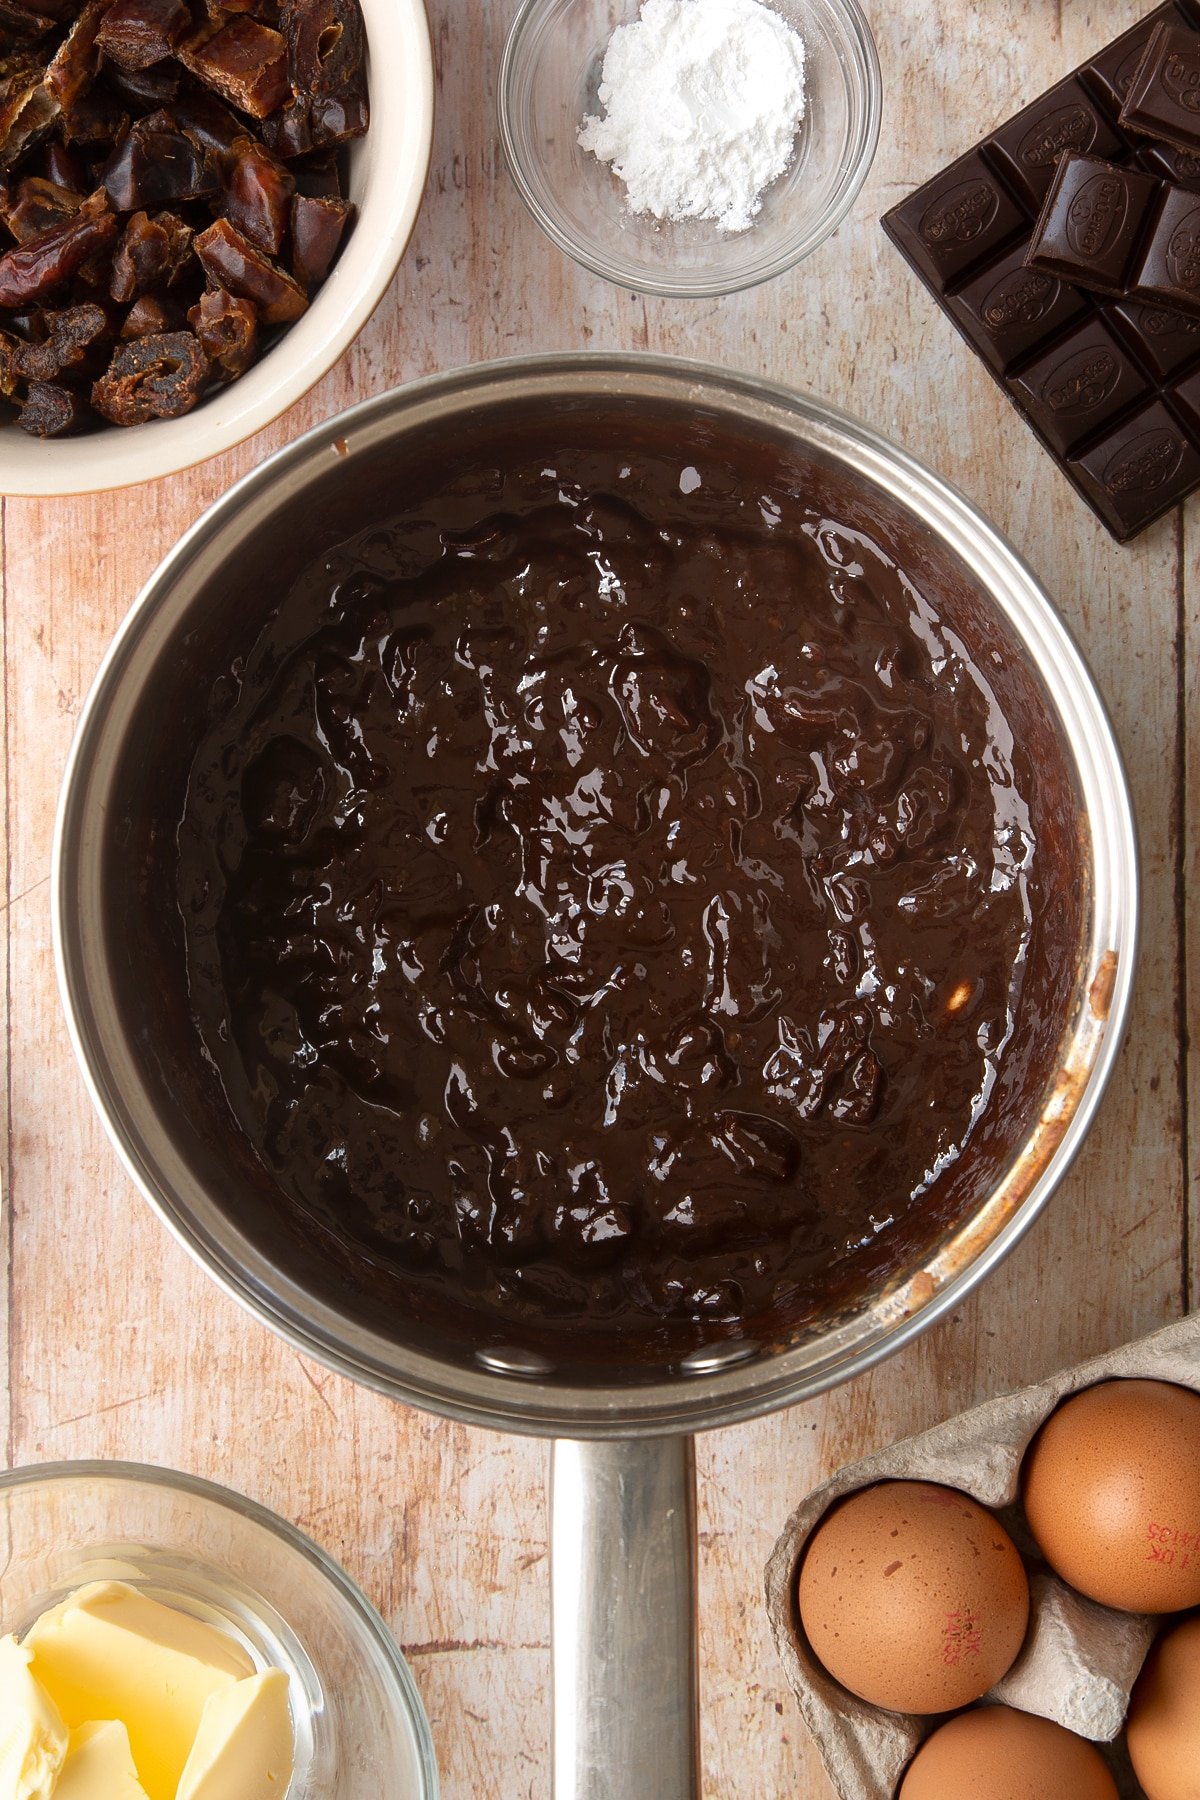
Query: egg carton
[(1079, 1660)]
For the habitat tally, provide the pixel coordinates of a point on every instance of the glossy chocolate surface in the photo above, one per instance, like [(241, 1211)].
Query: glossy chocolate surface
[(1163, 99), (1094, 221), (621, 906), (968, 231)]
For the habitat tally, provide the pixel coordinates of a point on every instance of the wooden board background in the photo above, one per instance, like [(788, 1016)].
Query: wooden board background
[(112, 1344)]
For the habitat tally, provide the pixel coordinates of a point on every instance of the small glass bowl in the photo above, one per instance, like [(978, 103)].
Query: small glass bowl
[(549, 77), (361, 1731)]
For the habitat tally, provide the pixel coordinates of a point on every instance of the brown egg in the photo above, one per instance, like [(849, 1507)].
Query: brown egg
[(1163, 1727), (998, 1754), (913, 1596), (1111, 1488)]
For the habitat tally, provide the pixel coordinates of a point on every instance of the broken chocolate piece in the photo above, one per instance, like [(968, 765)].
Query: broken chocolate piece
[(317, 227), (1163, 100), (51, 412), (36, 269), (232, 261), (156, 168), (1169, 271), (227, 328), (136, 34), (1094, 219), (152, 378), (245, 62), (257, 195), (151, 253)]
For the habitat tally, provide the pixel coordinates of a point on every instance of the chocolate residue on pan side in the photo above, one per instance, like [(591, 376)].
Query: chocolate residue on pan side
[(608, 904)]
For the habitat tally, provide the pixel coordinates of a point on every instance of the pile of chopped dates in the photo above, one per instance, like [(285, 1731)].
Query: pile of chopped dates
[(170, 194)]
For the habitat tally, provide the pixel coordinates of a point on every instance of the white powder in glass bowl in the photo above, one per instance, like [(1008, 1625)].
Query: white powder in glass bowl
[(703, 100)]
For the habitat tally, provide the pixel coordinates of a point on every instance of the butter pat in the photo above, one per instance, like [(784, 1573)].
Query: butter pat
[(99, 1765), (109, 1652), (245, 1745), (33, 1738)]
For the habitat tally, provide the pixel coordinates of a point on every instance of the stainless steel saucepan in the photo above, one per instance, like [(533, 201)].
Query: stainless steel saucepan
[(622, 1533)]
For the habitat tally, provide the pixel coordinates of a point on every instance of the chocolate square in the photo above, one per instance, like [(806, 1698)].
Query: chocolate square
[(1170, 163), (1163, 99), (1138, 470), (1161, 338), (1009, 310), (1080, 385), (964, 215), (1169, 270), (1110, 75), (1028, 148), (1186, 397), (1093, 223)]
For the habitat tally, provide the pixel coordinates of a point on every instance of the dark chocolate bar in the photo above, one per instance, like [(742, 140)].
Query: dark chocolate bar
[(1094, 222), (1109, 385), (1163, 100)]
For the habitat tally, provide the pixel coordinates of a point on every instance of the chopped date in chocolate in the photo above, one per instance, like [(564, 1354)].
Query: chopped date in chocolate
[(170, 195), (231, 261), (152, 378), (1093, 340), (136, 34)]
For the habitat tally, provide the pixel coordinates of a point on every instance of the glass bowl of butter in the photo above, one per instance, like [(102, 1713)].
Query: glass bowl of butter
[(162, 1638)]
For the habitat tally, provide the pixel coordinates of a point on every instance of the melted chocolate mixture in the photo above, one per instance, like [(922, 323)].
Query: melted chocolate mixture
[(609, 905)]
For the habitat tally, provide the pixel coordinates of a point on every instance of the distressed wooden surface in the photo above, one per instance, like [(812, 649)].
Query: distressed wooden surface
[(116, 1346)]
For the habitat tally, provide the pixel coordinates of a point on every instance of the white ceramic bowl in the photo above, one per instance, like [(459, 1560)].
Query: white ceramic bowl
[(387, 178)]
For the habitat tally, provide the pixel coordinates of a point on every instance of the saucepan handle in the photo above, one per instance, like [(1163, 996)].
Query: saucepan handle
[(622, 1572)]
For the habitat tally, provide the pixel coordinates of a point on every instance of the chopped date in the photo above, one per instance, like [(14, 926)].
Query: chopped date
[(16, 22), (36, 269), (151, 314), (156, 168), (317, 227), (151, 253), (49, 411), (97, 117), (40, 205), (208, 122), (136, 34), (72, 336), (74, 64), (227, 328), (231, 261), (64, 169), (169, 191), (152, 378), (157, 85), (244, 61), (257, 195), (28, 113)]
